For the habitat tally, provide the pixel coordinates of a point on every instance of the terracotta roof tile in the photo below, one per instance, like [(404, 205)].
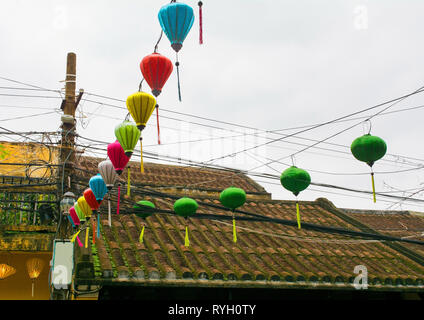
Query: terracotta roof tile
[(264, 251)]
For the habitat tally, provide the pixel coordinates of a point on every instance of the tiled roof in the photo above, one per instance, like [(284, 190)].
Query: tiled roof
[(182, 177), (266, 254)]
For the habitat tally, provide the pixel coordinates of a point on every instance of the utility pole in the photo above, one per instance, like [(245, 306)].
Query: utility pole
[(67, 147)]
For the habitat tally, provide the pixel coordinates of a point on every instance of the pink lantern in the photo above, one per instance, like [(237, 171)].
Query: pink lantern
[(117, 156), (74, 216)]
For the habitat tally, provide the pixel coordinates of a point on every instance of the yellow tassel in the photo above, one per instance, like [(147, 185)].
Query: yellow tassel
[(141, 156), (142, 235), (234, 231), (75, 236), (187, 241), (298, 215), (373, 187), (86, 236), (129, 182)]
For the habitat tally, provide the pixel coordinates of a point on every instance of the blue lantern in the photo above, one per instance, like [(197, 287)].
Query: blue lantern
[(98, 186), (176, 20)]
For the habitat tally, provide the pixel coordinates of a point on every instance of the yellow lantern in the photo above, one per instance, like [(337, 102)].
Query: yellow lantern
[(85, 207), (141, 106), (6, 271), (34, 267)]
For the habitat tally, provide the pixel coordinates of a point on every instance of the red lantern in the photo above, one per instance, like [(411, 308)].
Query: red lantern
[(156, 70), (117, 156), (91, 199)]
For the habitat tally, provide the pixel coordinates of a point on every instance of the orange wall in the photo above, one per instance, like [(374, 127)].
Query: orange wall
[(18, 286)]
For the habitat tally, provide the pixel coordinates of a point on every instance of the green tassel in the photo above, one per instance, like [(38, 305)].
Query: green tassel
[(141, 235), (234, 231), (298, 215), (187, 241)]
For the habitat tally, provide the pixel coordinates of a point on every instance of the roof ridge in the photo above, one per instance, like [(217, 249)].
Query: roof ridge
[(328, 205)]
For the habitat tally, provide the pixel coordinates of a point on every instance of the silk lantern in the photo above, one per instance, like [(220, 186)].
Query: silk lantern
[(143, 209), (295, 180), (176, 20), (86, 209), (186, 207), (141, 106), (369, 149), (90, 197), (156, 70), (233, 198)]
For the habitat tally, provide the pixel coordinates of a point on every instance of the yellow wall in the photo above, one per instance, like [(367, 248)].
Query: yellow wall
[(26, 153), (18, 286)]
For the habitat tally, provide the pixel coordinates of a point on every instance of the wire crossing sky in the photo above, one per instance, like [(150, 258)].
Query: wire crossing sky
[(247, 91)]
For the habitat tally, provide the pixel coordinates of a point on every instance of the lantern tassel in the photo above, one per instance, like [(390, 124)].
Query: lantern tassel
[(119, 197), (186, 240), (109, 212), (75, 236), (234, 230), (141, 156), (79, 242), (200, 3), (32, 290), (298, 215), (141, 235), (178, 78), (157, 122), (98, 225), (94, 235), (86, 237), (129, 182), (373, 187)]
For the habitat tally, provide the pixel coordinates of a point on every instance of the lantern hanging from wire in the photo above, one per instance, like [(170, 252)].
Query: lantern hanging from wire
[(143, 209), (34, 268), (86, 209), (6, 271), (74, 216), (176, 20), (156, 70), (117, 156), (186, 207), (369, 149), (119, 160), (295, 180), (90, 197), (233, 198), (108, 173), (128, 135), (141, 106)]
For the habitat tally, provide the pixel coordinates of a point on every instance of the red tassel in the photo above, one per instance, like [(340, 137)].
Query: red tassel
[(200, 3), (157, 122), (119, 197)]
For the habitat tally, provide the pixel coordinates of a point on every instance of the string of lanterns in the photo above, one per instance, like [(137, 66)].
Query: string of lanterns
[(176, 20)]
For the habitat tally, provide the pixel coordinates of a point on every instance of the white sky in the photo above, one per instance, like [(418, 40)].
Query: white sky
[(264, 64)]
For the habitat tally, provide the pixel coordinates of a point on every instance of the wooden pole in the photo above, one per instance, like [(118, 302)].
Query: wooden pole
[(67, 148)]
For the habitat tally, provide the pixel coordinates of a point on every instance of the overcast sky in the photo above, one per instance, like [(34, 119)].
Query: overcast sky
[(268, 65)]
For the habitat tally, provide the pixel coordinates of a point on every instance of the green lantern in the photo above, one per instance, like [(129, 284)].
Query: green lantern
[(128, 135), (295, 180), (143, 209), (233, 198), (369, 149), (186, 207)]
